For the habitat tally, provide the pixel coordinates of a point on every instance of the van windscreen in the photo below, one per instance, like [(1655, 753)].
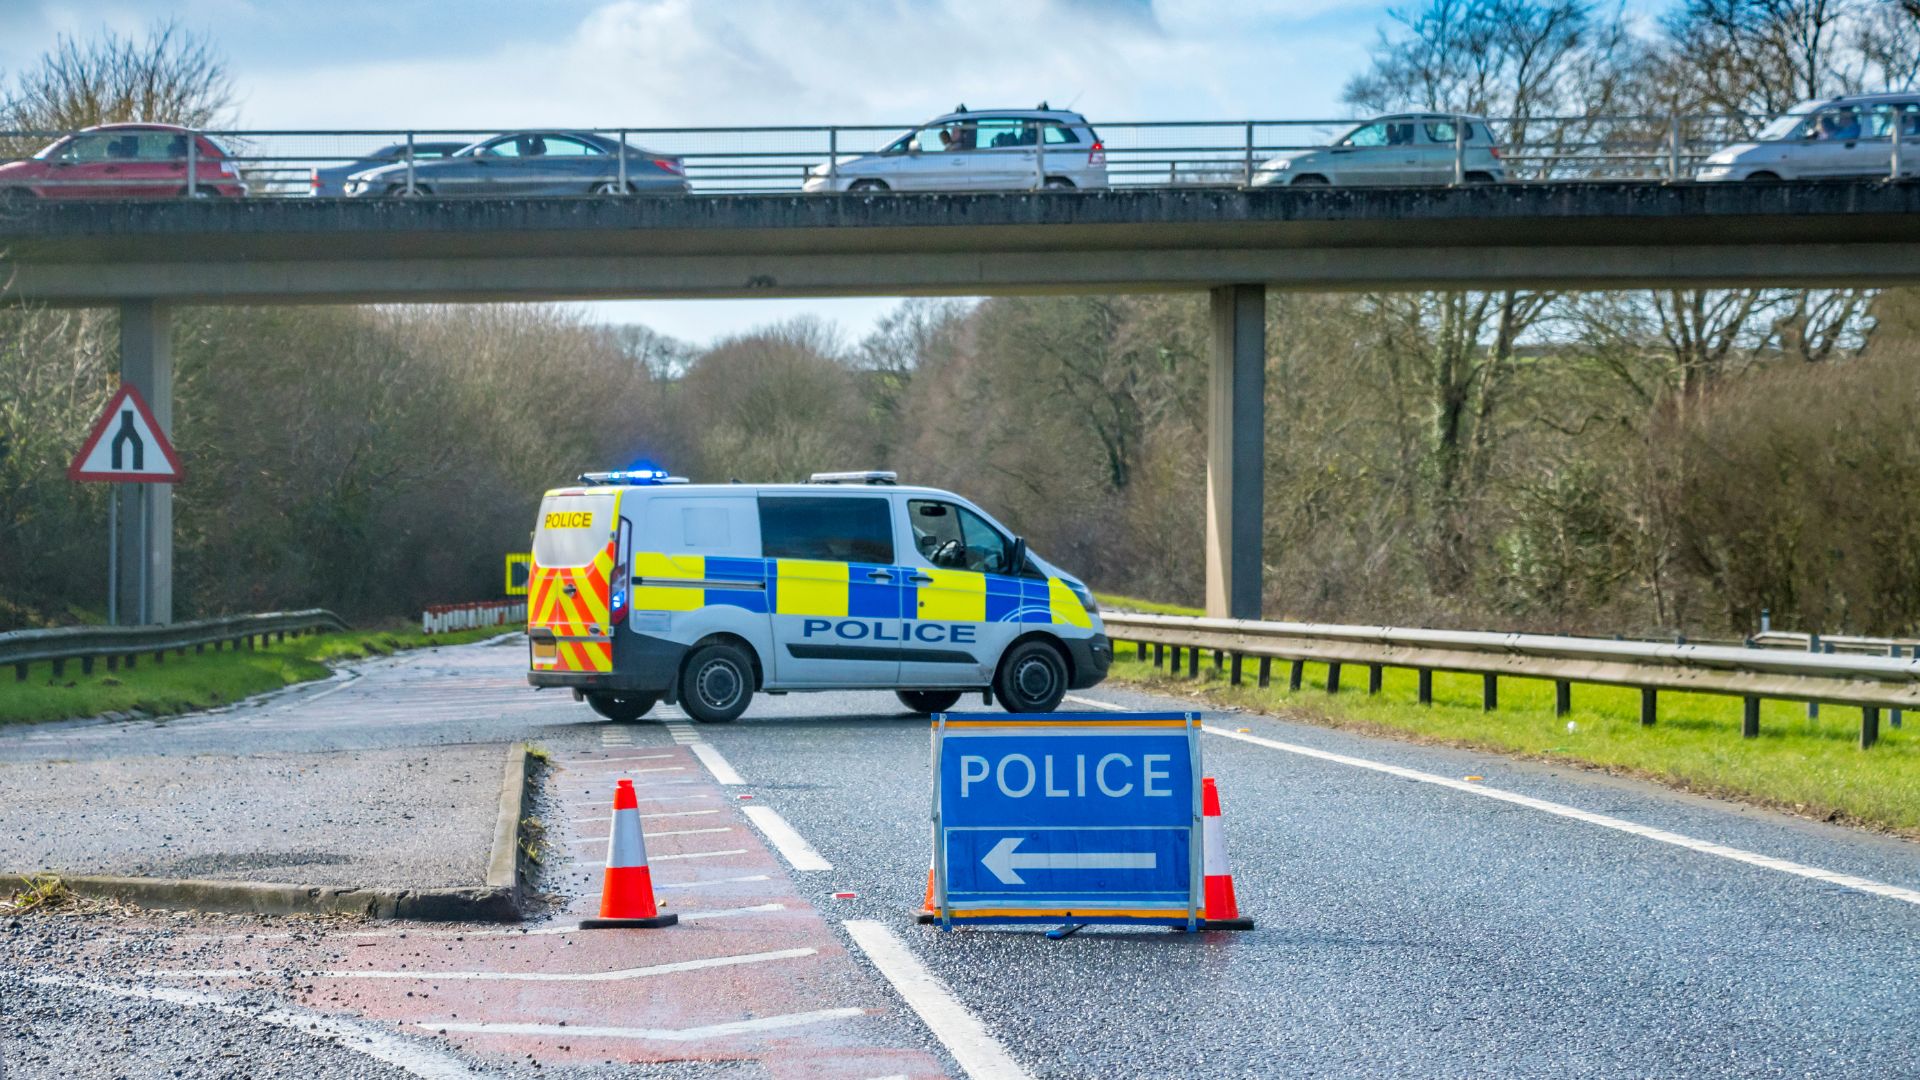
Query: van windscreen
[(572, 529)]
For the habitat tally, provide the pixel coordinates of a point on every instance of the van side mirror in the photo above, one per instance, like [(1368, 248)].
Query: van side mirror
[(1019, 567)]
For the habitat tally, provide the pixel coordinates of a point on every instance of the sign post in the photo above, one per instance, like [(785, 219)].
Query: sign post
[(1078, 817), (126, 446)]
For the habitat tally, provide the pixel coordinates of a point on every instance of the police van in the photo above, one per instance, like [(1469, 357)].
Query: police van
[(646, 588)]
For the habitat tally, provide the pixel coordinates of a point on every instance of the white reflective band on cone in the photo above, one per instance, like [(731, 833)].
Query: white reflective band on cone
[(624, 847), (1214, 844)]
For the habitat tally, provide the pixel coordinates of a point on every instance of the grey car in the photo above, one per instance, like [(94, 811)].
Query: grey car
[(331, 181), (531, 163)]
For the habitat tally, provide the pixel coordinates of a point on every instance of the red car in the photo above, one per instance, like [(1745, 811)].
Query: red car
[(123, 161)]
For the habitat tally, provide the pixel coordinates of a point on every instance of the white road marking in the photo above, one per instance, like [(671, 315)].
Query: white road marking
[(728, 913), (501, 976), (695, 1034), (703, 884), (617, 760), (403, 1054), (1647, 832), (544, 931), (792, 846), (638, 772), (722, 772), (961, 1032), (1107, 705), (694, 855), (674, 832), (644, 798)]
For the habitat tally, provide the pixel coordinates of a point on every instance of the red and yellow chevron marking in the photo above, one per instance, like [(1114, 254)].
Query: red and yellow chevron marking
[(584, 614)]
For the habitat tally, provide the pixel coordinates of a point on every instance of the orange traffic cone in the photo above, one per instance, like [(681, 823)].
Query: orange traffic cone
[(626, 892), (930, 911), (1220, 910)]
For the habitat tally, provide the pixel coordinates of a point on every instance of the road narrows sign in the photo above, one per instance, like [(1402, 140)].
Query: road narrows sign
[(1079, 817), (127, 445)]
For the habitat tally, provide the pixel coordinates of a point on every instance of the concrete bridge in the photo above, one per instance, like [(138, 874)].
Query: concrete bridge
[(146, 256)]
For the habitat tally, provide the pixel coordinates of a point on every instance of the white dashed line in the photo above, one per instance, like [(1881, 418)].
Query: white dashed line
[(696, 1034), (693, 855), (1645, 832), (367, 1039), (703, 884), (961, 1032), (503, 976), (722, 772), (673, 832), (792, 846)]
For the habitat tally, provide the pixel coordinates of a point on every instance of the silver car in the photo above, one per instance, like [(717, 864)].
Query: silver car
[(1411, 148), (1826, 139), (531, 163), (330, 182), (982, 150)]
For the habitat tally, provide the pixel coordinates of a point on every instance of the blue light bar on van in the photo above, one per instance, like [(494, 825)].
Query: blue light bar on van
[(632, 477)]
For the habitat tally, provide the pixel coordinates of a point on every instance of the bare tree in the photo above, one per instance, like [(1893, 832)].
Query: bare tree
[(171, 75)]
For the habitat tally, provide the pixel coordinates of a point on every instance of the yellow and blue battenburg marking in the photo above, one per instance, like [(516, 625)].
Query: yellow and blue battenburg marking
[(848, 590)]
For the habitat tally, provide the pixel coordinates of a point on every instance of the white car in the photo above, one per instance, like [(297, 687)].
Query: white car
[(1827, 138), (981, 150), (1413, 148)]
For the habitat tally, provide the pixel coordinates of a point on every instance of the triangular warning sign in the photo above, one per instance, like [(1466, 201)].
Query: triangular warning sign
[(126, 446)]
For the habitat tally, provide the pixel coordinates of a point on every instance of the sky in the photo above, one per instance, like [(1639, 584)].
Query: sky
[(651, 63)]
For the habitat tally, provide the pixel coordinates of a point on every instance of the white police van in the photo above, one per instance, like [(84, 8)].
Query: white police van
[(644, 588)]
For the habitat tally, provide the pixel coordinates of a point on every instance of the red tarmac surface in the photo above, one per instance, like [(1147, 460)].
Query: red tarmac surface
[(752, 972)]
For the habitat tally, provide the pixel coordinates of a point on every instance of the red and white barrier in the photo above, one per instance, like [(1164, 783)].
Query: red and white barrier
[(441, 618)]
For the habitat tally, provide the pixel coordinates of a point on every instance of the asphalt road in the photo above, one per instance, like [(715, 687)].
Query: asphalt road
[(1539, 921)]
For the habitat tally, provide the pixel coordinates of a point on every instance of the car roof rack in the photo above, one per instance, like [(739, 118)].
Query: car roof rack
[(871, 476)]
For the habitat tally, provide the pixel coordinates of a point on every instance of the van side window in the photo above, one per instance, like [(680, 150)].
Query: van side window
[(955, 538), (851, 529)]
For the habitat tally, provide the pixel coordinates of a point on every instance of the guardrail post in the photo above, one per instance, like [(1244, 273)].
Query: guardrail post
[(1193, 663), (1813, 646), (1673, 146), (1894, 137), (1296, 675), (133, 661), (1233, 677), (1489, 692), (1248, 180), (1333, 678), (1459, 152), (1649, 706), (113, 663), (1139, 650), (410, 188), (1750, 718), (1219, 659), (60, 666), (19, 673), (833, 158), (1375, 675), (1869, 726), (1426, 686), (159, 656), (1766, 620), (623, 161), (193, 164), (1266, 672), (1562, 697), (1159, 655), (1039, 155)]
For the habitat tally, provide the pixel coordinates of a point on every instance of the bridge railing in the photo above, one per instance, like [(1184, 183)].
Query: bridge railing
[(1871, 683), (722, 160), (114, 644)]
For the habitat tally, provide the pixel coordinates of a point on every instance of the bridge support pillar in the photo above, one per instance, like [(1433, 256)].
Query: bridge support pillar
[(1236, 451), (143, 517)]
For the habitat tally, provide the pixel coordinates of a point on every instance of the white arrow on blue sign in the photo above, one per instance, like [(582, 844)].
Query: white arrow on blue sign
[(1005, 863)]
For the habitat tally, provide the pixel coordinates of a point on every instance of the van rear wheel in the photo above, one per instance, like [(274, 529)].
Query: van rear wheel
[(928, 701), (621, 708), (1032, 678), (716, 683)]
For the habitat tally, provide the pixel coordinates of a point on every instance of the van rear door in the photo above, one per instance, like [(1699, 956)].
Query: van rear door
[(576, 545)]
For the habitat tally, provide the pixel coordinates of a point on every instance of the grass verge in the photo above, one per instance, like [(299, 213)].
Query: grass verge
[(1807, 766), (199, 680)]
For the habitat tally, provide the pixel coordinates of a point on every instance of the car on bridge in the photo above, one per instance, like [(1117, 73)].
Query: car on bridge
[(644, 587), (1826, 139), (331, 181), (985, 150), (124, 161), (1408, 149), (531, 163)]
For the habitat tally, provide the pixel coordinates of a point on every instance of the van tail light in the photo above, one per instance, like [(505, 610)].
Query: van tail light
[(1496, 152), (1097, 156), (617, 604), (672, 165)]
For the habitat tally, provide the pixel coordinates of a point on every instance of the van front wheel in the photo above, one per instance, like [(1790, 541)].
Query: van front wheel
[(928, 701), (621, 708), (1032, 678), (716, 683)]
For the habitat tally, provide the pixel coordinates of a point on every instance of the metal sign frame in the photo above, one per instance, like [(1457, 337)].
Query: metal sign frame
[(1186, 917)]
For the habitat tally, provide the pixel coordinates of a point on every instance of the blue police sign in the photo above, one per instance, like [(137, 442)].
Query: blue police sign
[(1093, 817)]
